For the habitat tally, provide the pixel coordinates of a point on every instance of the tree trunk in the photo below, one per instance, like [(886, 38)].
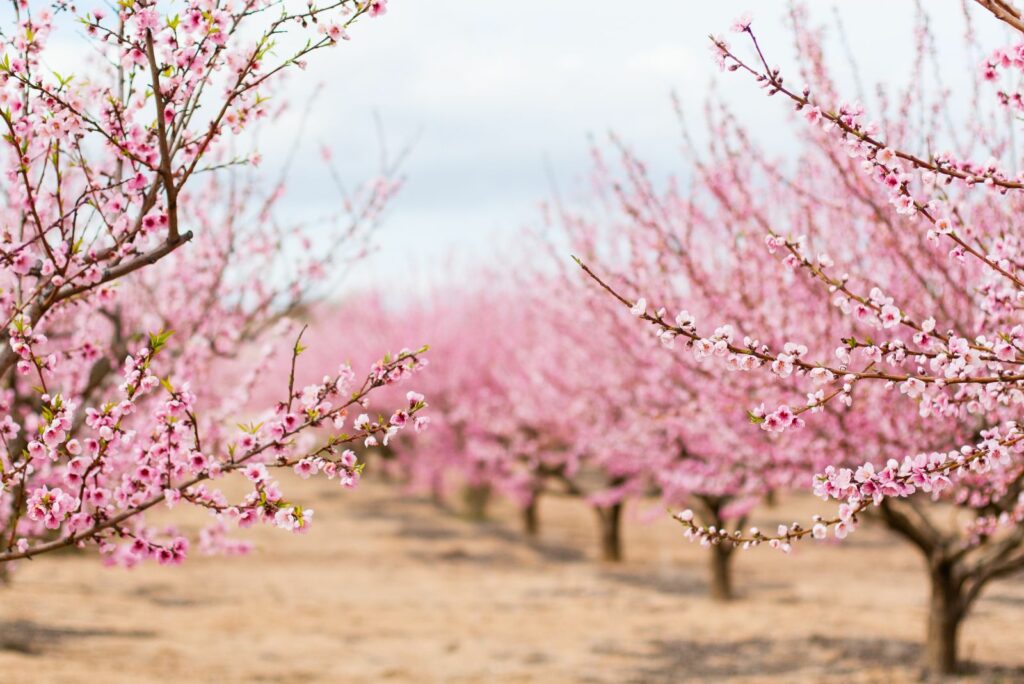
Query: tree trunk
[(531, 520), (721, 572), (944, 616), (475, 498), (437, 490), (709, 509), (611, 537)]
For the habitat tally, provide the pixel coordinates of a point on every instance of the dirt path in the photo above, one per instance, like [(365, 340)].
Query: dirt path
[(391, 589)]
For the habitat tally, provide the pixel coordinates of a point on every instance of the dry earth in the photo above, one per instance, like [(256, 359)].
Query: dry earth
[(388, 588)]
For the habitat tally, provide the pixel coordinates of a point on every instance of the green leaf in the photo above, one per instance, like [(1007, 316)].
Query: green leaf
[(251, 428), (157, 341)]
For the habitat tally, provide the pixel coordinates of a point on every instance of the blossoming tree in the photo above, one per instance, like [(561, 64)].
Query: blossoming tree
[(699, 450), (111, 174), (904, 267)]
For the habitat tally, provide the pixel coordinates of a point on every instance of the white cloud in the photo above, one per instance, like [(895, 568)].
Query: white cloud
[(492, 89)]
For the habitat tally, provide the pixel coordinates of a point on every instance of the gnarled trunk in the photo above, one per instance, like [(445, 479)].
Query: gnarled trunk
[(709, 509), (531, 519), (944, 617), (721, 572), (609, 523), (949, 600)]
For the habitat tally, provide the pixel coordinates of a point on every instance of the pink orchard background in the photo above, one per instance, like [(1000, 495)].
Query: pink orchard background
[(841, 316)]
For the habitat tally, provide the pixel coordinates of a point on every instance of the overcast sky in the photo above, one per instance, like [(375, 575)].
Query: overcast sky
[(497, 93)]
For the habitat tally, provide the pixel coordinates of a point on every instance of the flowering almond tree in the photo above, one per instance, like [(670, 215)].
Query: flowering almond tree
[(576, 383), (684, 421), (124, 341), (877, 286), (543, 391)]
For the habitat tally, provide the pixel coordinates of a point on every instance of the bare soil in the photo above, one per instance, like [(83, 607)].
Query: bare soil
[(389, 588)]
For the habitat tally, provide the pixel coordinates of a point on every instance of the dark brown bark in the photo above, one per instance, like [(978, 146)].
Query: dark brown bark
[(944, 617), (721, 572), (610, 527), (531, 518), (709, 509), (948, 573)]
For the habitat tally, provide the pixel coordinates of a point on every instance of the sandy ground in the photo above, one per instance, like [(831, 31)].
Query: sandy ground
[(387, 588)]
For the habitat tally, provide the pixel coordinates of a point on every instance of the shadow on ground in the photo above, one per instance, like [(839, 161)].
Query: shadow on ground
[(408, 513), (816, 658), (30, 638), (827, 658)]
